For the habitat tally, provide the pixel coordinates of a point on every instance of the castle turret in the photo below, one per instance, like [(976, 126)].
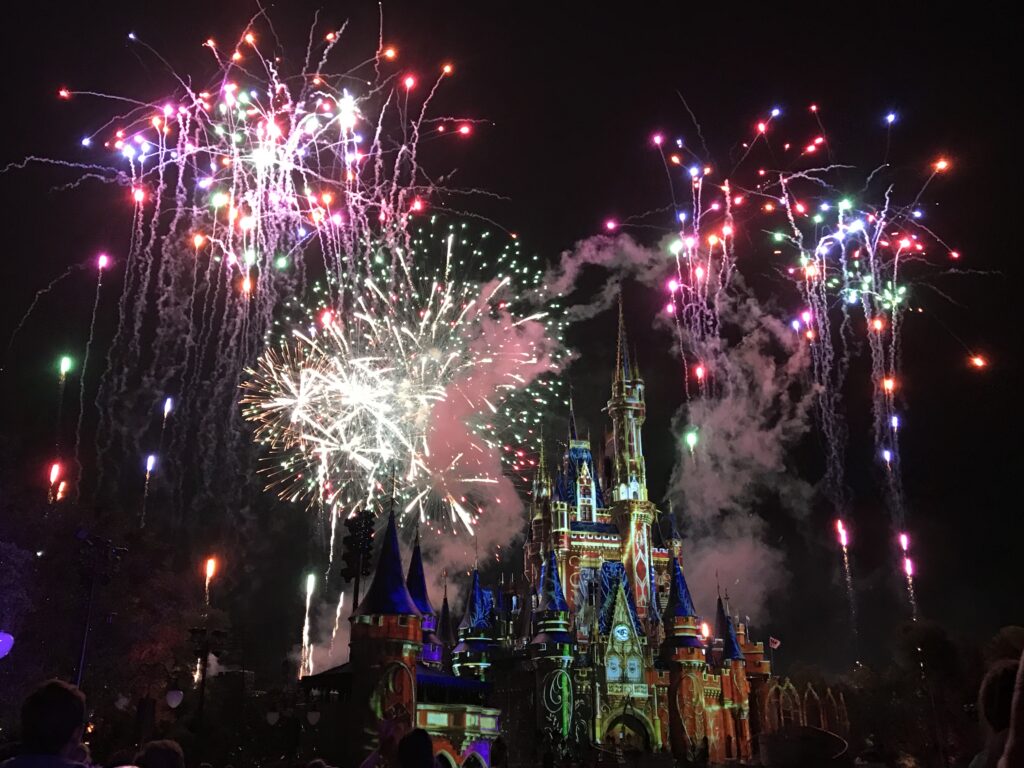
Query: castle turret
[(551, 615), (725, 630), (684, 651), (735, 688), (627, 410), (542, 477), (634, 513), (577, 491), (541, 518), (552, 650), (446, 629), (386, 641), (472, 656), (417, 585)]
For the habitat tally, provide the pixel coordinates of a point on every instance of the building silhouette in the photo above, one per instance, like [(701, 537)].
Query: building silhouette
[(598, 648)]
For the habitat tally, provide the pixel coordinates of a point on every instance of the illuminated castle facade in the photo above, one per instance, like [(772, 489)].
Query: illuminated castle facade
[(599, 648)]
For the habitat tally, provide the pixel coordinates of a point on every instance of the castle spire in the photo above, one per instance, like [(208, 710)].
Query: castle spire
[(445, 626), (623, 370), (541, 478), (476, 615), (416, 581), (727, 632), (572, 418), (388, 594), (552, 598), (680, 603)]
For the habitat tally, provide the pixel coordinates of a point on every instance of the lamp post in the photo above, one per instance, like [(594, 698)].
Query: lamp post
[(206, 641), (98, 559)]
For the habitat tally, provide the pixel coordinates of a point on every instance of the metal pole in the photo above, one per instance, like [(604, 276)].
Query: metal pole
[(355, 586), (202, 682), (85, 633)]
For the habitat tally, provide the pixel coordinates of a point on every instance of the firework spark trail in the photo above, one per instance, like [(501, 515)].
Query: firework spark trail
[(238, 190), (211, 570), (844, 542), (908, 573), (851, 274), (101, 263), (337, 620), (35, 300), (150, 464), (306, 658), (65, 366)]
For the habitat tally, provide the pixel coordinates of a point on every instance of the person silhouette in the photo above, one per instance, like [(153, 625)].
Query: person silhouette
[(52, 723)]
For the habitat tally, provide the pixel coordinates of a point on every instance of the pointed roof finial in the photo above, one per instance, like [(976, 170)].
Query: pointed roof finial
[(680, 602), (416, 580), (388, 594), (572, 417), (541, 479), (552, 598), (727, 632), (542, 460), (623, 370)]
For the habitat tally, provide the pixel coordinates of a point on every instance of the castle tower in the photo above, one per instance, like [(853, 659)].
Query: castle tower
[(385, 643), (683, 650), (576, 499), (446, 630), (735, 742), (577, 490), (551, 651), (472, 656), (634, 513), (417, 584), (540, 523), (627, 410)]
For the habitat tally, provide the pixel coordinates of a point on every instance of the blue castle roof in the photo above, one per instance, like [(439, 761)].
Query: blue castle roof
[(417, 583), (565, 481), (478, 606), (445, 626), (680, 603), (388, 594), (725, 630), (552, 598), (611, 574)]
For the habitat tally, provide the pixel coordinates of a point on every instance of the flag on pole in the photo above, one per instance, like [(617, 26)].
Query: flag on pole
[(774, 642)]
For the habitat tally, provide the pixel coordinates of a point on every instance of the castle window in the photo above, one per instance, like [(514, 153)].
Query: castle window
[(633, 669), (613, 668)]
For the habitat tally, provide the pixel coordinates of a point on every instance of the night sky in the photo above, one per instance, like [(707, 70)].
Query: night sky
[(570, 99)]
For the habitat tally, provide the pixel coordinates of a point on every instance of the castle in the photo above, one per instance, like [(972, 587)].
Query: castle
[(601, 649)]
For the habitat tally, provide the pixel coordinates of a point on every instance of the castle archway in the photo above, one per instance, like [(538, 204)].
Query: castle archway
[(473, 760), (628, 731), (444, 760), (395, 693)]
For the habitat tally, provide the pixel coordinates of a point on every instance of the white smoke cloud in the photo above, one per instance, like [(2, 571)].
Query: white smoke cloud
[(758, 408), (621, 256)]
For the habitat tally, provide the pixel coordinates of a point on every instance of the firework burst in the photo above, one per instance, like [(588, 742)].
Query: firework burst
[(419, 381)]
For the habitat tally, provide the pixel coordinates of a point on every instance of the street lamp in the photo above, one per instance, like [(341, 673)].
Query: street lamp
[(6, 643), (174, 695), (98, 559), (206, 641)]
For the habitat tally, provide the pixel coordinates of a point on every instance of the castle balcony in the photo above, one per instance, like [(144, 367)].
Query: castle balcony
[(633, 690), (459, 722)]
